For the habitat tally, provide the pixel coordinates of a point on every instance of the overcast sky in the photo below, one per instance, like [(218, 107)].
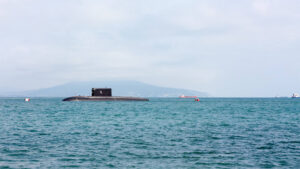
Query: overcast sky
[(223, 47)]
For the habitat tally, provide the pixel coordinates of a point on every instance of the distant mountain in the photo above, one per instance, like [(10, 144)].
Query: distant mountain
[(119, 88)]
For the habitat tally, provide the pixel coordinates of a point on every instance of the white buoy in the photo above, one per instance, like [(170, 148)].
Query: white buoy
[(27, 99)]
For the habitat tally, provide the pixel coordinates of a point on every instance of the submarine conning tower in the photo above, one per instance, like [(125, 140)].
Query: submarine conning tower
[(101, 92)]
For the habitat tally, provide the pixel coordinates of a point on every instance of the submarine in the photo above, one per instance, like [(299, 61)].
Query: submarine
[(103, 94)]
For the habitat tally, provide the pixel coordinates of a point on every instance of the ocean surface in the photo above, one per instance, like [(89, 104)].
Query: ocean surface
[(161, 133)]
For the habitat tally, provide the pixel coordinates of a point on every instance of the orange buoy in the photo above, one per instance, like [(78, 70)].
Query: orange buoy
[(197, 99), (27, 99)]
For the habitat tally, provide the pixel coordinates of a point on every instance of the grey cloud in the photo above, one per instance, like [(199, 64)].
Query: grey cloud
[(216, 46)]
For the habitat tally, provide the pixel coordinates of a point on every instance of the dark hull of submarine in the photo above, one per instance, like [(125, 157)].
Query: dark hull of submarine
[(104, 98), (103, 94)]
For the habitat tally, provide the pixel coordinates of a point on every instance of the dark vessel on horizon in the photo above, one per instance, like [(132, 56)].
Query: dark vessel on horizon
[(103, 94)]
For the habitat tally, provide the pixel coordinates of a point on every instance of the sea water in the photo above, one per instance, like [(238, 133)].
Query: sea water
[(161, 133)]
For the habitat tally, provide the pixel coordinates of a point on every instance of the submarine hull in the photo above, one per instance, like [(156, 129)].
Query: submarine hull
[(104, 98)]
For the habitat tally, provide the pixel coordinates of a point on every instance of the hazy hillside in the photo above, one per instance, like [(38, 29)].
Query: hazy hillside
[(119, 88)]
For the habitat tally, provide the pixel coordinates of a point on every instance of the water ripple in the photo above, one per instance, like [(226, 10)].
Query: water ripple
[(162, 133)]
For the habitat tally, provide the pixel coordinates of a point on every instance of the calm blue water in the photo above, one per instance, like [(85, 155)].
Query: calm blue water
[(161, 133)]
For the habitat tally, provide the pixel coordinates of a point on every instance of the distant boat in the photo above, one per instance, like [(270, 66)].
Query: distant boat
[(295, 95), (183, 96)]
